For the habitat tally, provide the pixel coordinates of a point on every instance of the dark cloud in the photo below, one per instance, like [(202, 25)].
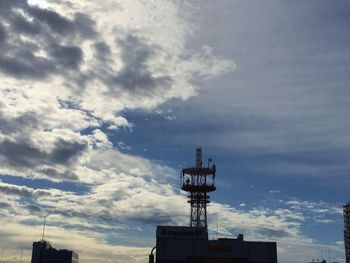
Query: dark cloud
[(45, 21), (22, 25), (71, 213), (273, 233), (84, 25), (2, 33), (145, 215), (65, 151), (53, 173), (16, 190), (33, 209), (22, 191), (4, 205), (102, 50), (22, 154), (18, 124), (45, 32), (55, 21), (7, 5), (119, 195), (151, 215), (28, 66), (67, 56), (135, 75)]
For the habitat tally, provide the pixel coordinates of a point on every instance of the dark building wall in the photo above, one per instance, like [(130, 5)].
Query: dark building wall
[(238, 250), (346, 210), (174, 243), (43, 252), (186, 244), (262, 252), (37, 251)]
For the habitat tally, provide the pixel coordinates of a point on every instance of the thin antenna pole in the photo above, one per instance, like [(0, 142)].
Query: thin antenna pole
[(21, 256), (217, 226), (42, 238), (329, 257)]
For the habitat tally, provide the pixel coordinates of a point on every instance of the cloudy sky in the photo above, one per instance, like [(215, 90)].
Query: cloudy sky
[(102, 104)]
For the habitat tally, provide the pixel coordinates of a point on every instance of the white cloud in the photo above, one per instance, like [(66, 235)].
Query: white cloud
[(112, 58)]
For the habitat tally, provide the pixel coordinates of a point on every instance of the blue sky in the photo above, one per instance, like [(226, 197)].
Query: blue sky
[(101, 106)]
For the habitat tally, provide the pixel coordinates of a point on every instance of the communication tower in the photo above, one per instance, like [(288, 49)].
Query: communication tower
[(198, 181)]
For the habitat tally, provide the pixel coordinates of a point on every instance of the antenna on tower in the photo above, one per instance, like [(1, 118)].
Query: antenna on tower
[(199, 161), (43, 235)]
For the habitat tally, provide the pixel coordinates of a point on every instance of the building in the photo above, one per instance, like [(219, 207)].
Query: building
[(322, 261), (190, 244), (43, 252), (346, 210), (185, 244)]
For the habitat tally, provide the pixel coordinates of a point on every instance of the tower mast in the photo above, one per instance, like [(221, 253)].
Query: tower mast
[(43, 235), (198, 181)]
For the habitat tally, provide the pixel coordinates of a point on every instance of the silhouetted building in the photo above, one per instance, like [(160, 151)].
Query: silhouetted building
[(190, 244), (346, 210), (322, 261), (43, 252), (182, 244)]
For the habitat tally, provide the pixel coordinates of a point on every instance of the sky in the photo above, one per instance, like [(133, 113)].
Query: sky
[(103, 103)]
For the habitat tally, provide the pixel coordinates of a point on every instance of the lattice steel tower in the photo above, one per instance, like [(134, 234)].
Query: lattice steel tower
[(198, 182)]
